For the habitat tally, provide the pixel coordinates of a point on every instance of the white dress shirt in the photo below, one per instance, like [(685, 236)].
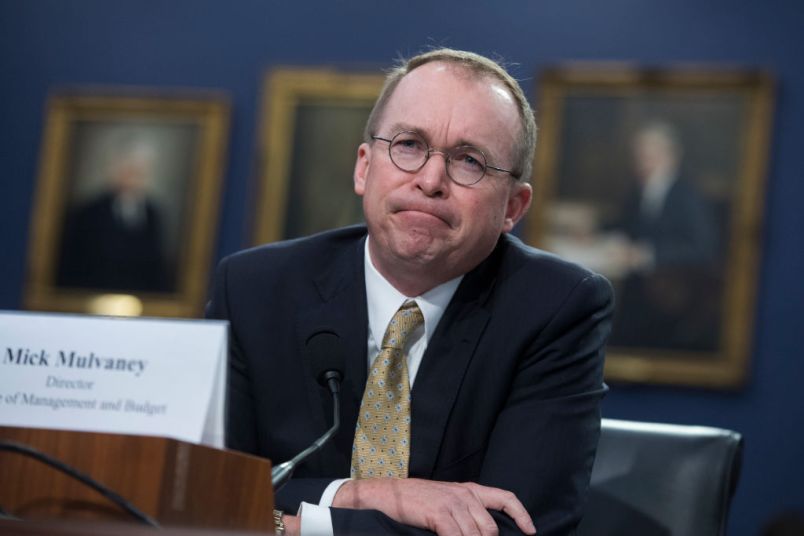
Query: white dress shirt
[(654, 193), (383, 302)]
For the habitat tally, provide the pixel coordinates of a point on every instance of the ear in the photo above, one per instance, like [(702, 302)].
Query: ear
[(362, 168), (519, 200)]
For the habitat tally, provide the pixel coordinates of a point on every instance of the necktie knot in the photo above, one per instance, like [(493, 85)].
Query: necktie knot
[(405, 321)]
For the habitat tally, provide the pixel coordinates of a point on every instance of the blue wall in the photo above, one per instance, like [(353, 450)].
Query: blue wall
[(229, 45)]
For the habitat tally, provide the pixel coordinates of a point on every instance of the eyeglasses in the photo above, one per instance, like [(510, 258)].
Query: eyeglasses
[(466, 165)]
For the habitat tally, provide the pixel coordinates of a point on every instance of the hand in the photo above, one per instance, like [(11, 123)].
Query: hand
[(292, 525), (642, 257), (624, 256), (445, 508)]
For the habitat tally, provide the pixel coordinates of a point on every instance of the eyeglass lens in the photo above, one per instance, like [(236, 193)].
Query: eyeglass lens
[(465, 164)]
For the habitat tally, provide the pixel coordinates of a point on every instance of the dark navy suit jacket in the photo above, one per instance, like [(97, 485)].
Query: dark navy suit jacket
[(98, 251), (507, 394), (683, 231), (672, 305)]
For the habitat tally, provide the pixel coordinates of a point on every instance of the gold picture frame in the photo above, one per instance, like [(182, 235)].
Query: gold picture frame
[(655, 178), (311, 127), (127, 202)]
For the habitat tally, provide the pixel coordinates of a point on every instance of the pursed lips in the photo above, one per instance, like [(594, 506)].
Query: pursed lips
[(441, 215)]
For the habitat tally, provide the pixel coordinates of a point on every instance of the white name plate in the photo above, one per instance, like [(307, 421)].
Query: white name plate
[(137, 376)]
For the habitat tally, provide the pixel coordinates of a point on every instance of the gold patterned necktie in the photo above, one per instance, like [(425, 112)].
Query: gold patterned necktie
[(382, 435)]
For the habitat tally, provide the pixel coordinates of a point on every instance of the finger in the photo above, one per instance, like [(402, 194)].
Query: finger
[(470, 513), (504, 501), (464, 518), (445, 524), (461, 509), (482, 519), (520, 515)]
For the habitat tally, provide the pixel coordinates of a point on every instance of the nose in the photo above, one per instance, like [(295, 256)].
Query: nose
[(432, 178)]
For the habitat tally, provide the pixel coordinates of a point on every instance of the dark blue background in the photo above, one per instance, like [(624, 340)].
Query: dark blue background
[(229, 45)]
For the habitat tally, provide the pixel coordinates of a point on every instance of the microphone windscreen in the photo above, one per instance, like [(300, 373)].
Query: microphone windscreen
[(326, 354)]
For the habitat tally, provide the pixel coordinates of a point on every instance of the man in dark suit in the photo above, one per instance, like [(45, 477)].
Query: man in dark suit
[(114, 240), (504, 373), (672, 245)]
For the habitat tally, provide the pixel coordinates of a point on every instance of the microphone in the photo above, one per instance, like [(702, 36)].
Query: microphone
[(327, 359)]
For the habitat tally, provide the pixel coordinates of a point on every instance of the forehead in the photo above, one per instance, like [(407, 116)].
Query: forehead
[(454, 106), (653, 140)]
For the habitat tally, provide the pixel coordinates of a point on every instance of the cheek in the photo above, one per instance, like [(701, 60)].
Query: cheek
[(490, 209), (482, 220), (374, 198)]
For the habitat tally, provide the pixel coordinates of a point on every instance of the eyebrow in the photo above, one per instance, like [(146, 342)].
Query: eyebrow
[(400, 126), (396, 128)]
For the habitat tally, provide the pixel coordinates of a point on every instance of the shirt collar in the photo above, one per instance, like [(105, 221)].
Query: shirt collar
[(384, 300), (658, 183), (655, 191)]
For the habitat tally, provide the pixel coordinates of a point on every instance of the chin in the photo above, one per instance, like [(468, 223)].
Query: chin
[(418, 248)]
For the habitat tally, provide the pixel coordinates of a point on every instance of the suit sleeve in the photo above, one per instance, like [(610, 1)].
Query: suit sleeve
[(241, 425), (544, 441)]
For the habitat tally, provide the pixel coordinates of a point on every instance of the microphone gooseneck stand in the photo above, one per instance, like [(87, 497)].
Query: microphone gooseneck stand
[(327, 360), (282, 472)]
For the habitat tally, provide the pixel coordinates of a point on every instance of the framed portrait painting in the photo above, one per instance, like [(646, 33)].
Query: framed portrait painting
[(655, 178), (312, 125), (127, 202)]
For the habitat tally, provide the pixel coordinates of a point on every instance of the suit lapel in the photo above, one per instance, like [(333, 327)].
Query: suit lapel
[(445, 363), (342, 310)]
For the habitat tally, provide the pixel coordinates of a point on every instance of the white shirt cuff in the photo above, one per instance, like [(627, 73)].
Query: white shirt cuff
[(315, 518), (329, 493)]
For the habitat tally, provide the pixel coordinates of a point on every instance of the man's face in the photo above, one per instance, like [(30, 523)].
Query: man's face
[(422, 220), (653, 153), (131, 173)]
